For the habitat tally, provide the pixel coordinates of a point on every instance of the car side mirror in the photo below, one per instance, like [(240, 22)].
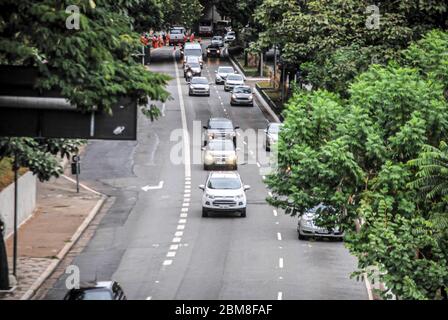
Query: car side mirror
[(238, 149), (202, 187), (210, 83), (236, 71), (216, 71), (203, 148), (237, 127), (265, 130), (205, 127), (246, 187)]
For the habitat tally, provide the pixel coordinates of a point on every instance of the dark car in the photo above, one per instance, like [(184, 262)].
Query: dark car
[(103, 290), (213, 50), (219, 128)]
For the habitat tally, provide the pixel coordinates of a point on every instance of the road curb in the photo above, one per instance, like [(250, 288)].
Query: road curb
[(235, 65), (44, 276), (266, 105)]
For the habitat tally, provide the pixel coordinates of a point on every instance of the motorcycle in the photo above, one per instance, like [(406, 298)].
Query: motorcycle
[(188, 76)]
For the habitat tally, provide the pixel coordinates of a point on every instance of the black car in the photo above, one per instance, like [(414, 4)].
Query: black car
[(103, 290), (213, 50)]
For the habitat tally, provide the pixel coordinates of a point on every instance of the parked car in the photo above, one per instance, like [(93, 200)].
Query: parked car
[(272, 131), (230, 36), (224, 192), (103, 290), (219, 128), (222, 73), (218, 40), (195, 68), (177, 35), (307, 225), (232, 81), (213, 50), (242, 95), (199, 86), (220, 153)]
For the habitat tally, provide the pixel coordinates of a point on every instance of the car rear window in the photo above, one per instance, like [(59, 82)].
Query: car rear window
[(225, 70), (242, 90), (199, 80), (193, 52), (176, 31)]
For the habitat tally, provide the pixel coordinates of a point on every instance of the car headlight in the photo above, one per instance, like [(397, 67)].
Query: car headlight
[(251, 97), (308, 223), (208, 50), (233, 96), (217, 51), (239, 196), (207, 195)]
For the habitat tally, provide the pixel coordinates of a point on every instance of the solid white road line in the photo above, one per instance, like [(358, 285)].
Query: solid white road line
[(186, 136), (167, 262), (280, 263), (279, 236)]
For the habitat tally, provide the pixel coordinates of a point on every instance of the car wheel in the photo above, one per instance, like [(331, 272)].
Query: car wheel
[(206, 167), (243, 213), (235, 167), (204, 213), (301, 237), (232, 104), (189, 93)]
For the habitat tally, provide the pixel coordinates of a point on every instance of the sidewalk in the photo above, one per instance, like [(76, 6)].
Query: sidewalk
[(60, 216)]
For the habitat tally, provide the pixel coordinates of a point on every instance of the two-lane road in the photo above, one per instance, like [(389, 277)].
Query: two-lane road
[(154, 240)]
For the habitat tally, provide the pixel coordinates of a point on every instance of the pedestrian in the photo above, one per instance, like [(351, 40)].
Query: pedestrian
[(160, 41), (168, 39), (4, 272), (192, 37), (164, 38)]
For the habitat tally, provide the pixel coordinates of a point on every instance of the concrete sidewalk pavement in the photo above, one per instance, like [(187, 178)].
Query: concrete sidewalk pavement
[(60, 217)]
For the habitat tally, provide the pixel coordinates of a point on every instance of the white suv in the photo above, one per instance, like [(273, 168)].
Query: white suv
[(224, 192)]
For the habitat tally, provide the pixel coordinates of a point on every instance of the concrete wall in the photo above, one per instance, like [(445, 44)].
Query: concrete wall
[(26, 202)]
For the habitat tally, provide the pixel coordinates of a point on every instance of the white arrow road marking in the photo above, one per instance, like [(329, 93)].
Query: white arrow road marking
[(147, 188)]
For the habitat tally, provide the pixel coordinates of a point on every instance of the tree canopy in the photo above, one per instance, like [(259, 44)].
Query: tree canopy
[(354, 154)]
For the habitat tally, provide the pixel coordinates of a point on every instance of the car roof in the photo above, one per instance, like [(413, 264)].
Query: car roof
[(98, 284), (220, 67), (243, 86), (223, 174), (192, 46), (203, 78), (219, 120)]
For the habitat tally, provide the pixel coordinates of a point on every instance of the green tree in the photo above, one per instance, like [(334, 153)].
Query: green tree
[(353, 154)]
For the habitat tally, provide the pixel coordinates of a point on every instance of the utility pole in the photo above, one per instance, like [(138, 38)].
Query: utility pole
[(275, 63), (261, 64), (16, 191)]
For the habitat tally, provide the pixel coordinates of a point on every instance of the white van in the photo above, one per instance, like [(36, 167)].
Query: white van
[(193, 49)]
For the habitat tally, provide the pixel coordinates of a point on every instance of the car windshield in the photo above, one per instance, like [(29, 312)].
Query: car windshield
[(217, 38), (221, 125), (236, 77), (225, 70), (176, 31), (193, 52), (225, 145), (194, 65), (275, 127), (242, 90), (94, 294), (199, 81), (231, 33), (224, 183)]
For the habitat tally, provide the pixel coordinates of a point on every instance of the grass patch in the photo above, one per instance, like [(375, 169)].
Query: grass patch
[(6, 173)]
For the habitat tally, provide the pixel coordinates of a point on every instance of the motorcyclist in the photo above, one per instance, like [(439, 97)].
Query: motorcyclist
[(188, 74)]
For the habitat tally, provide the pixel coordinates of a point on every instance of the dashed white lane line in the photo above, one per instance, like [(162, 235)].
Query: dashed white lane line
[(244, 142), (176, 239), (185, 204), (167, 262), (276, 222), (182, 221), (280, 263), (187, 182), (187, 195), (279, 236), (179, 233), (171, 254), (174, 247), (279, 295), (181, 227), (183, 215), (258, 164), (188, 178), (149, 298), (275, 212), (251, 152), (184, 209)]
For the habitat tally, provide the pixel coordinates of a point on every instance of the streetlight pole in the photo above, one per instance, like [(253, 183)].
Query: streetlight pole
[(16, 189)]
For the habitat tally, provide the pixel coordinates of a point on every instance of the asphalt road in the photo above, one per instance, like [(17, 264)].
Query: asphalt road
[(157, 245)]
